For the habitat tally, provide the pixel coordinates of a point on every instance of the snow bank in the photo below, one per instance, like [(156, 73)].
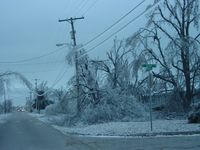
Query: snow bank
[(131, 128)]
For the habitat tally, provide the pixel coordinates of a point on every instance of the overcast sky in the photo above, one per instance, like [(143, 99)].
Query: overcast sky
[(30, 28)]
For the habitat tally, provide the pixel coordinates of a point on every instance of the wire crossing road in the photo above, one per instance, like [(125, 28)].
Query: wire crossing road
[(23, 132)]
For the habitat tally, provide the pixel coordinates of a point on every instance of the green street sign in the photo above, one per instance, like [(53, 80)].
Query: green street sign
[(149, 66)]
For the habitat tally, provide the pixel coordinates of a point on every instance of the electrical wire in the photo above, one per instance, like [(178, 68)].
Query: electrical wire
[(33, 58), (59, 77), (33, 64), (34, 72), (90, 7), (115, 23), (77, 8), (96, 37), (123, 27), (38, 63), (82, 7), (60, 73)]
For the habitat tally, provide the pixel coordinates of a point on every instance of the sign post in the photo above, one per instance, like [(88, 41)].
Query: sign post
[(148, 68)]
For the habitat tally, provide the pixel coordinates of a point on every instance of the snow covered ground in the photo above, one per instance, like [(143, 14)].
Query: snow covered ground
[(125, 128), (131, 128), (3, 118)]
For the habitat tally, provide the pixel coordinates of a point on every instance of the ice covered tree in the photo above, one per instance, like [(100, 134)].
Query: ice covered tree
[(86, 75), (122, 68), (116, 66), (42, 93), (88, 79), (171, 39)]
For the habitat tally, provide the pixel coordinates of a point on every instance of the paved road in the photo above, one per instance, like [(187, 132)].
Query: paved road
[(23, 132)]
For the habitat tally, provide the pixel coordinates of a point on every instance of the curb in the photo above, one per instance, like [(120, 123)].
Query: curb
[(165, 133), (153, 134)]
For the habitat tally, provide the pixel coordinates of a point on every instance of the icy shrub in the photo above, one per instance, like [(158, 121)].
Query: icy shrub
[(194, 115), (53, 109), (97, 114), (114, 107), (60, 106)]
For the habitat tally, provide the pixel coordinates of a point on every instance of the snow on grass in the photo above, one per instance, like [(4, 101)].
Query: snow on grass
[(121, 128), (131, 128), (3, 118)]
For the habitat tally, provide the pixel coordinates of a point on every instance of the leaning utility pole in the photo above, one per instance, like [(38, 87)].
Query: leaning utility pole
[(73, 36)]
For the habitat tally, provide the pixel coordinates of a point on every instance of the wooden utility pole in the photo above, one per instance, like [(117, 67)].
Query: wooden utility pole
[(36, 90), (73, 36)]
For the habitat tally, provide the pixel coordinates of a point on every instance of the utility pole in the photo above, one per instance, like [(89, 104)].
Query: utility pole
[(4, 96), (36, 83), (73, 37), (36, 90)]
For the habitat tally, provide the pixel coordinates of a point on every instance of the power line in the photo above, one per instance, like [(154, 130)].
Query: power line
[(60, 75), (56, 81), (52, 52), (90, 7), (119, 20), (32, 64), (82, 6), (34, 72), (123, 27), (60, 78), (33, 58), (78, 5)]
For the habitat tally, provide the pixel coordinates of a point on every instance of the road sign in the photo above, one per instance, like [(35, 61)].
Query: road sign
[(149, 66)]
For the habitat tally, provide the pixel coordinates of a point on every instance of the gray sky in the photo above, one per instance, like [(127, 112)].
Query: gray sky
[(30, 28)]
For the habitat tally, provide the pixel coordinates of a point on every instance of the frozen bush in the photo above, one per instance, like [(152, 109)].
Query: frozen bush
[(53, 109), (114, 107), (58, 107), (97, 114)]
